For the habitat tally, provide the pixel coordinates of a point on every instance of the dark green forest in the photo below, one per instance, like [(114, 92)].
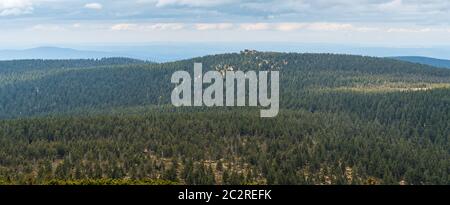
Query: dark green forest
[(344, 120)]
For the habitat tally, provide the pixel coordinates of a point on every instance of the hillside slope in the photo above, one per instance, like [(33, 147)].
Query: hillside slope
[(441, 63), (107, 84), (343, 120)]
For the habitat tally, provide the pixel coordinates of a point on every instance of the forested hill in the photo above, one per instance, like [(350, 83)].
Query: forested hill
[(425, 60), (343, 120), (35, 87), (41, 64)]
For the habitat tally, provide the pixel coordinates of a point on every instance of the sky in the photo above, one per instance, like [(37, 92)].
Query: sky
[(369, 22)]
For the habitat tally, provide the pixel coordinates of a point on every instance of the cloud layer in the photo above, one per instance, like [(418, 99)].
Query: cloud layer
[(297, 20), (412, 11), (95, 6), (15, 7)]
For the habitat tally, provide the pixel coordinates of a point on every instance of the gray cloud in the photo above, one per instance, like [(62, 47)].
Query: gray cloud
[(358, 20), (410, 11)]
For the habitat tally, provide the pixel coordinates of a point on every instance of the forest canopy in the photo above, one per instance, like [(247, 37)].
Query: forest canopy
[(343, 120)]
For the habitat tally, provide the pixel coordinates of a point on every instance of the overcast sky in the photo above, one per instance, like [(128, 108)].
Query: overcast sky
[(377, 22)]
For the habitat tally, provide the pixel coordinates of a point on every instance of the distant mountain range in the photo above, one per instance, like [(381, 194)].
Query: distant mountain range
[(172, 52), (153, 53), (55, 53), (425, 60)]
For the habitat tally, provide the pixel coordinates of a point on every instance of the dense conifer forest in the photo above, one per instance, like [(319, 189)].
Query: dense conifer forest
[(344, 120)]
